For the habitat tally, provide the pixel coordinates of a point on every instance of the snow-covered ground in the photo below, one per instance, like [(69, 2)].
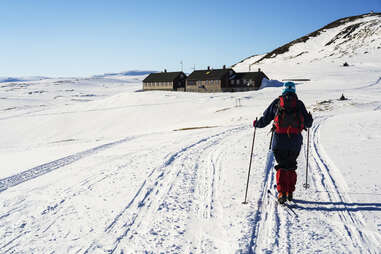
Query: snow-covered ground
[(97, 166)]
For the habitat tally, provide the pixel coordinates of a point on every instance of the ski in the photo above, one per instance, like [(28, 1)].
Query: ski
[(271, 194)]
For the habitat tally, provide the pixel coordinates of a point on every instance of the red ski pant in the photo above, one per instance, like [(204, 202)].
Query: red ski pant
[(285, 180)]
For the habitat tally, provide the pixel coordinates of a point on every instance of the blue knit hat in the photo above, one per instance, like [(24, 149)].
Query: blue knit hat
[(289, 87)]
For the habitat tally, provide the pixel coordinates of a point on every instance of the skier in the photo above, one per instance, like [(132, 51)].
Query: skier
[(290, 118)]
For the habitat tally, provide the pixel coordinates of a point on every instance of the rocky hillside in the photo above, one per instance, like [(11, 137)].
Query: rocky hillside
[(346, 37)]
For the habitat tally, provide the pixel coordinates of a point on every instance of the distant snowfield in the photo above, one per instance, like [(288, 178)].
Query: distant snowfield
[(96, 166)]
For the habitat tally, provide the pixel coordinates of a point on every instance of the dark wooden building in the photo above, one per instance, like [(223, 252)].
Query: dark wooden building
[(223, 80), (244, 81), (169, 81), (209, 80)]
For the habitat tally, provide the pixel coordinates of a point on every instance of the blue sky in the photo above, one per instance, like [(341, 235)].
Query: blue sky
[(81, 38)]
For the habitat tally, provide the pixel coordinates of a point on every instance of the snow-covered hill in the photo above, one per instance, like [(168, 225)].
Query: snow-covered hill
[(93, 165), (23, 95), (125, 73), (338, 41), (22, 79)]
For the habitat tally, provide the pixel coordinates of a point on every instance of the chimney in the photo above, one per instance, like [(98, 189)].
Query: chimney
[(224, 67), (208, 68), (165, 70), (259, 69)]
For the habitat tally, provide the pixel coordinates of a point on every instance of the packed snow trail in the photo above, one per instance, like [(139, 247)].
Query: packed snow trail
[(175, 204), (341, 227), (328, 177), (182, 192), (180, 204), (267, 229), (182, 176), (50, 166)]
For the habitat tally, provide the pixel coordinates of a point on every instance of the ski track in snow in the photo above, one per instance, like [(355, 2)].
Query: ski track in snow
[(370, 85), (50, 166), (159, 193), (187, 182), (181, 194), (352, 222), (258, 225), (269, 230), (278, 229)]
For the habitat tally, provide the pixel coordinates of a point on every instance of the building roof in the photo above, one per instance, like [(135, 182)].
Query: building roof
[(250, 75), (163, 76), (211, 74)]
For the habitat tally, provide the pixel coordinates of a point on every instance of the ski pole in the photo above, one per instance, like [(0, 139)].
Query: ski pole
[(251, 158), (271, 139), (306, 185)]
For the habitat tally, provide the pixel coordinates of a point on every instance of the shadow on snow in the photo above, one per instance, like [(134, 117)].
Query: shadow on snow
[(335, 206)]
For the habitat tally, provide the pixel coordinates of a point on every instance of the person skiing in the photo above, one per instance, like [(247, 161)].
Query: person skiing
[(290, 118)]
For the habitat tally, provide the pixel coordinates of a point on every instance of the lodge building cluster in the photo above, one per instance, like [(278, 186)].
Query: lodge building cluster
[(209, 80)]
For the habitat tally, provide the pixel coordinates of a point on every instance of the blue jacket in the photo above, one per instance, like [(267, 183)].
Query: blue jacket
[(284, 141)]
